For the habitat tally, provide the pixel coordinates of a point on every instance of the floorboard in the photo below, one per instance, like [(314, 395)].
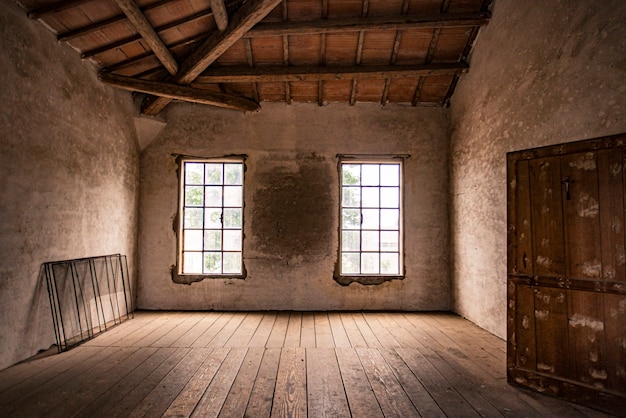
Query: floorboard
[(278, 364)]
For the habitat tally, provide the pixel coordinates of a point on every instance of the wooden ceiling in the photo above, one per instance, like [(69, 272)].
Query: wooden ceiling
[(238, 53)]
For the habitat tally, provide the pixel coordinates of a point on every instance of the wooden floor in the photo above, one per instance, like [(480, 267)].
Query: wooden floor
[(214, 364)]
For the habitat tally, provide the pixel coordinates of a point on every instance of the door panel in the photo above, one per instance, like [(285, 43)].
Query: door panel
[(566, 272)]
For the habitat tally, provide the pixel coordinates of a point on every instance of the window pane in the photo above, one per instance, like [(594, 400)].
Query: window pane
[(214, 173), (232, 263), (351, 174), (194, 196), (389, 197), (212, 218), (192, 262), (233, 196), (389, 263), (192, 240), (193, 173), (350, 263), (370, 175), (351, 197), (350, 240), (232, 218), (213, 263), (370, 197), (370, 241), (213, 240), (213, 196), (233, 173), (389, 218), (390, 175), (369, 263), (389, 241), (370, 218), (193, 218), (350, 219), (232, 240)]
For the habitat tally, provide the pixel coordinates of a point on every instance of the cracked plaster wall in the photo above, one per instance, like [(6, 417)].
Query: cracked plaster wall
[(539, 75)]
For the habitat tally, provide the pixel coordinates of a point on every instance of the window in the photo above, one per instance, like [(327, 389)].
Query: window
[(371, 218), (211, 227)]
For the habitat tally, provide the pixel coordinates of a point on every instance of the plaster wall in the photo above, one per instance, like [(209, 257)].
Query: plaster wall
[(539, 75), (69, 169), (291, 206)]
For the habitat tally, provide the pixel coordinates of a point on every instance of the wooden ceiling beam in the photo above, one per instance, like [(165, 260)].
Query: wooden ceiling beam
[(178, 92), (55, 8), (358, 24), (232, 74), (220, 14), (210, 50), (145, 29)]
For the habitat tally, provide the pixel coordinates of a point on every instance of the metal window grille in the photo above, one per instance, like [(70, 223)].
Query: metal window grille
[(87, 297)]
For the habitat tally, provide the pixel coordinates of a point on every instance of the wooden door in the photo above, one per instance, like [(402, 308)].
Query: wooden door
[(566, 272)]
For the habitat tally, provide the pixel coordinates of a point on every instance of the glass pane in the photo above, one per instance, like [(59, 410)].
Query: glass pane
[(193, 196), (350, 263), (232, 263), (192, 240), (232, 240), (351, 174), (370, 197), (389, 263), (192, 263), (369, 263), (213, 263), (350, 218), (370, 175), (233, 196), (193, 218), (389, 241), (213, 240), (370, 241), (213, 196), (389, 218), (370, 219), (390, 197), (390, 175), (233, 173), (214, 173), (233, 218), (212, 218), (350, 240), (193, 173), (351, 197)]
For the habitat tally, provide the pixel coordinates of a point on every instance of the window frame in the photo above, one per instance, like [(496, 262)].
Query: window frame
[(178, 276), (367, 278)]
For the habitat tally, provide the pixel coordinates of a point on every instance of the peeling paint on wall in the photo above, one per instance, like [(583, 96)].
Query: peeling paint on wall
[(578, 320)]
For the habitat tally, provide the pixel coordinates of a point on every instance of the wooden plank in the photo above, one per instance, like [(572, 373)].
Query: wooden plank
[(188, 322), (307, 334), (340, 337), (159, 399), (524, 257), (178, 92), (382, 334), (551, 325), (392, 399), (139, 21), (189, 337), (220, 14), (245, 331), (325, 393), (323, 333), (156, 330), (205, 339), (229, 329), (352, 330), (140, 322), (415, 390), (215, 395), (279, 330), (615, 339), (260, 403), (290, 395), (211, 49), (525, 333), (237, 400), (292, 337), (361, 398), (366, 332), (262, 333)]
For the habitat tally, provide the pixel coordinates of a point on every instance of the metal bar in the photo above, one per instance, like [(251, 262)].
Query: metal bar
[(96, 291)]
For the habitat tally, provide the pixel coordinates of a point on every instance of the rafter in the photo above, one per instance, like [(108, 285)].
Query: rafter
[(55, 8), (288, 74), (144, 27), (220, 14), (211, 49), (177, 92)]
